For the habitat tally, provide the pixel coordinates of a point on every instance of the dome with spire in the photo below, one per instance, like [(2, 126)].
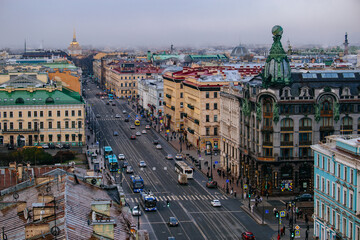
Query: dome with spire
[(277, 69), (74, 48), (239, 51)]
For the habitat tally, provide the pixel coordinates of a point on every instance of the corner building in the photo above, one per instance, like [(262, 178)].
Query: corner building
[(269, 123)]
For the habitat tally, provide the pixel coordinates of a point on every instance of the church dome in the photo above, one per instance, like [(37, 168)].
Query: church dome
[(239, 51)]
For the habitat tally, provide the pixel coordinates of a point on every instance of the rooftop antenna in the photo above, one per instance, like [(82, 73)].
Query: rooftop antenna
[(25, 45)]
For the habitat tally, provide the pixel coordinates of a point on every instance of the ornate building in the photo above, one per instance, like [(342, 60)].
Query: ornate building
[(281, 113), (74, 48)]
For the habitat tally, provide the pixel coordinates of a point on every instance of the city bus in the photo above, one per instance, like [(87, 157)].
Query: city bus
[(111, 96), (107, 151), (137, 183), (182, 168), (113, 163), (137, 122), (148, 201)]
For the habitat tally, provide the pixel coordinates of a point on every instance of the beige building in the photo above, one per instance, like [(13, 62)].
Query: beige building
[(34, 112)]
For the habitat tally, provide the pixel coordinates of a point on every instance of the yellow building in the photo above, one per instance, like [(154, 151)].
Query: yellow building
[(74, 48), (34, 112)]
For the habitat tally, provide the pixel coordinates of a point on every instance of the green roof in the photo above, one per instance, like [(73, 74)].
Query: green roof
[(60, 65), (40, 97)]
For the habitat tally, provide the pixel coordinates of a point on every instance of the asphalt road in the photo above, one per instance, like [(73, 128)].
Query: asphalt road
[(189, 204)]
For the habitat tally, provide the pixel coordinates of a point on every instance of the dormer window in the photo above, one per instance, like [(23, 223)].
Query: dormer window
[(305, 92), (345, 92), (286, 92)]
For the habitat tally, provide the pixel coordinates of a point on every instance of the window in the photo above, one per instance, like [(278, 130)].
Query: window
[(215, 118), (66, 124), (215, 94), (323, 162), (41, 125), (317, 182), (328, 165), (50, 137), (207, 106), (345, 197), (351, 195), (344, 227), (58, 113), (215, 106), (73, 137), (11, 114), (41, 138), (207, 118), (181, 95), (329, 75), (29, 114), (41, 114), (67, 137), (72, 124), (66, 113), (181, 104), (50, 125), (309, 75), (333, 190), (207, 131), (333, 217), (323, 184), (327, 187), (58, 124), (35, 113), (348, 75), (5, 114), (20, 125), (20, 114), (181, 86), (351, 176), (338, 194), (29, 125), (49, 114), (11, 125), (350, 230), (338, 173), (345, 174), (59, 137), (79, 113), (79, 124), (73, 113), (215, 131), (207, 94)]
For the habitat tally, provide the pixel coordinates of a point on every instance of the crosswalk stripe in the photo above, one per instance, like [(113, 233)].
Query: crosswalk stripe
[(205, 197), (176, 198), (136, 200), (159, 197), (132, 200), (225, 197), (185, 197), (173, 197), (197, 197), (180, 197)]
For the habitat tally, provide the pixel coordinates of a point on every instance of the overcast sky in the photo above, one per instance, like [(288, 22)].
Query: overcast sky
[(133, 23)]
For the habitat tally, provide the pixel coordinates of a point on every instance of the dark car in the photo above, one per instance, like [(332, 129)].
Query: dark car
[(304, 197), (116, 133), (247, 236), (173, 222), (156, 142), (133, 137), (126, 120), (66, 146), (107, 103), (51, 146), (211, 184), (125, 164), (113, 104), (10, 147)]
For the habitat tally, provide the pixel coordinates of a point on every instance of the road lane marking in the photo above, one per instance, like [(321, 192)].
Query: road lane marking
[(197, 197), (185, 197), (160, 198), (136, 200), (176, 198), (180, 197)]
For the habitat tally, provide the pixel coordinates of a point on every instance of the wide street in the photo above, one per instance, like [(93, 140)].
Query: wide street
[(189, 204)]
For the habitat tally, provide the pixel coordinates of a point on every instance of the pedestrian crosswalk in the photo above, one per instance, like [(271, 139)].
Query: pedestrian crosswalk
[(209, 197)]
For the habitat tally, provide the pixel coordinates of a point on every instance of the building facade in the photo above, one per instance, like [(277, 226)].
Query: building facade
[(35, 111), (74, 48), (151, 95), (336, 189), (283, 112)]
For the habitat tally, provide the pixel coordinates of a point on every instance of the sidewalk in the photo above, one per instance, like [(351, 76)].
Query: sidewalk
[(263, 213)]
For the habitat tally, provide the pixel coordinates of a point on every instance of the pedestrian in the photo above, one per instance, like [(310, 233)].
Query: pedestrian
[(278, 237), (235, 194), (284, 230), (267, 195), (290, 222), (214, 165), (306, 235), (230, 181), (237, 182), (231, 192), (252, 208), (306, 219)]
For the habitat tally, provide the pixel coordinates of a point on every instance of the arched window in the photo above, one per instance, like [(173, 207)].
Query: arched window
[(19, 101), (347, 121), (49, 100), (346, 125), (287, 122), (305, 122)]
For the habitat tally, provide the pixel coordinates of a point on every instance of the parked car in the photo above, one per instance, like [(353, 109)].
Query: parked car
[(173, 222), (107, 103), (121, 156), (158, 147), (247, 236), (136, 211), (66, 146), (142, 164), (51, 146), (211, 184), (10, 147), (178, 156), (45, 146), (216, 203), (138, 133), (133, 137), (59, 145), (304, 197), (169, 157), (129, 169), (116, 133), (113, 104)]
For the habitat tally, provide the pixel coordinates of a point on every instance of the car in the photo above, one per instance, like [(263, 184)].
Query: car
[(138, 133), (173, 222), (179, 156), (59, 145), (10, 147), (98, 116), (132, 127), (171, 238), (156, 142), (117, 116), (107, 103), (216, 203), (129, 169), (124, 111), (143, 131), (125, 164), (304, 197), (133, 137), (116, 133), (121, 156), (113, 104), (66, 146), (247, 236), (158, 146), (51, 146), (169, 157), (126, 120), (45, 146), (147, 127), (211, 184), (142, 164), (136, 211)]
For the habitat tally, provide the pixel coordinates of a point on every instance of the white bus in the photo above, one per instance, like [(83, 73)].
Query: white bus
[(183, 168)]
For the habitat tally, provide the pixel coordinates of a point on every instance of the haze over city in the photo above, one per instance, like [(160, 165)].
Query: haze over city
[(159, 23)]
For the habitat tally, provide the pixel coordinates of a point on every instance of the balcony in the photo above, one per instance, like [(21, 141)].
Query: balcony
[(327, 128), (286, 159), (286, 143), (190, 130), (168, 95), (24, 131), (287, 129), (268, 114), (268, 144), (305, 128), (305, 143), (190, 106), (267, 129), (196, 121), (346, 127), (173, 108)]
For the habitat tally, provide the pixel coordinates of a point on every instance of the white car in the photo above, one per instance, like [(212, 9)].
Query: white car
[(138, 133), (121, 156), (129, 169), (216, 203), (143, 131), (158, 146), (179, 156), (132, 127), (124, 111), (147, 127), (117, 116), (142, 164), (45, 146), (59, 145), (136, 211)]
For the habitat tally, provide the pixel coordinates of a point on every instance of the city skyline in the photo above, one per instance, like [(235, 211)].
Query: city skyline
[(125, 24)]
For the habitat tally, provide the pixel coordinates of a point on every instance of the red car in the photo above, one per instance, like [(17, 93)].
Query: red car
[(132, 137), (247, 236)]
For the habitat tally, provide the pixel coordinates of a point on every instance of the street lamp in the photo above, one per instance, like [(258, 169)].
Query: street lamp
[(227, 174), (211, 166)]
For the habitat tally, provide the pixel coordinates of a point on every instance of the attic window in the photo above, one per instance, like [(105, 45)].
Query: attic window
[(19, 101), (329, 75), (309, 75), (49, 100), (348, 75), (346, 92)]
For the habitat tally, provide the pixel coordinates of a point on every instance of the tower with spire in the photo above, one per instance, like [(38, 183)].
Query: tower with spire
[(74, 48), (346, 45)]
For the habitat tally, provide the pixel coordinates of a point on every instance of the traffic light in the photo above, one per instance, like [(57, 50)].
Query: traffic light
[(277, 214), (167, 203), (292, 234)]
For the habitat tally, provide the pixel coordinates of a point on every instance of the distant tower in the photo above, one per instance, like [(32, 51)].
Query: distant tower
[(172, 49), (346, 45), (289, 52), (74, 48), (25, 46)]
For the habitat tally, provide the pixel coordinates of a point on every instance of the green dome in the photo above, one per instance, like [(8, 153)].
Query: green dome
[(277, 30)]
